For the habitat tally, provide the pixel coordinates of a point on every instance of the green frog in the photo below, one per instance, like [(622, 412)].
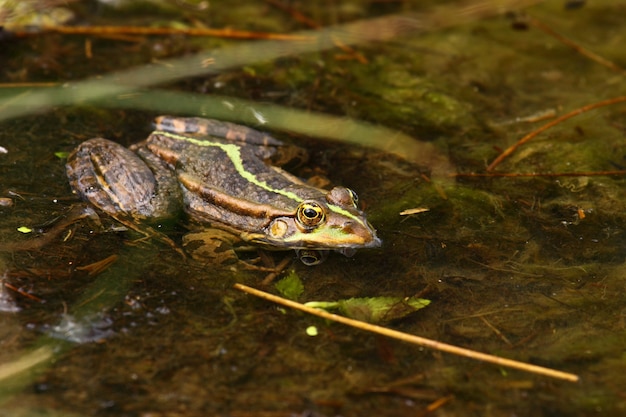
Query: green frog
[(224, 176)]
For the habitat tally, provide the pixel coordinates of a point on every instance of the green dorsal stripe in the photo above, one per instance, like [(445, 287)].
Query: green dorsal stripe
[(234, 153)]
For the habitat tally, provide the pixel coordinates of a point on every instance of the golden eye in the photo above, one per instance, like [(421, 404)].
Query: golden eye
[(355, 198), (312, 257), (343, 197), (310, 214)]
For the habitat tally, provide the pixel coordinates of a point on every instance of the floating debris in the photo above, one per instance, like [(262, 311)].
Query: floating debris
[(87, 329)]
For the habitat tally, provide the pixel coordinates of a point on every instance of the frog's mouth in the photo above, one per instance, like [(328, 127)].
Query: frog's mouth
[(284, 232)]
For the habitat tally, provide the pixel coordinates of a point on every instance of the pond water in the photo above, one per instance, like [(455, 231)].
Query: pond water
[(404, 102)]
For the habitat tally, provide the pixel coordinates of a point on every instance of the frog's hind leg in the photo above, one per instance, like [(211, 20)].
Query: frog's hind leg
[(116, 180), (110, 177), (211, 127)]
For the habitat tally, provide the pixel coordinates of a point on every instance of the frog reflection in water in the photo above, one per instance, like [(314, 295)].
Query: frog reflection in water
[(221, 175)]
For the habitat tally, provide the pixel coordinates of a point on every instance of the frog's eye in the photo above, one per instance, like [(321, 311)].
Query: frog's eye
[(355, 198), (343, 197), (312, 257), (310, 214)]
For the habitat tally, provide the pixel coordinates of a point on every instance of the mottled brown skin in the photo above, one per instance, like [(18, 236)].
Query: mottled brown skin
[(117, 180)]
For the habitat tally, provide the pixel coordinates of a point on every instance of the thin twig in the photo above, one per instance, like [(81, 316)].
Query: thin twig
[(437, 404), (295, 14), (305, 20), (541, 174), (578, 48), (496, 331), (548, 125), (139, 30), (29, 84), (417, 340), (97, 267), (22, 292)]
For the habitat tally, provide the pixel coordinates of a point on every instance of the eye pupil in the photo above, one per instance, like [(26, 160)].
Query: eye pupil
[(310, 214)]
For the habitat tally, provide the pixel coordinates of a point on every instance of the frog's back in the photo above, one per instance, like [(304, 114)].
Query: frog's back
[(237, 171)]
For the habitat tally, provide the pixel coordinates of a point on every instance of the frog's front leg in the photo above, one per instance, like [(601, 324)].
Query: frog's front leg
[(213, 246), (219, 247)]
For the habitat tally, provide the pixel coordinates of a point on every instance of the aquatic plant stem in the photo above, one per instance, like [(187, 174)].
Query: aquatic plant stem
[(417, 340), (548, 125)]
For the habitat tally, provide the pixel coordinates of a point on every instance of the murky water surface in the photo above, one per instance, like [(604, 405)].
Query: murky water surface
[(526, 267)]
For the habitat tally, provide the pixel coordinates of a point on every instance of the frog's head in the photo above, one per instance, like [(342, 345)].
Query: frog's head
[(331, 223)]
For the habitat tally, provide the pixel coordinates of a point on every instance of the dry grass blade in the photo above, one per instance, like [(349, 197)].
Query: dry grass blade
[(97, 267), (433, 344), (25, 363), (555, 122)]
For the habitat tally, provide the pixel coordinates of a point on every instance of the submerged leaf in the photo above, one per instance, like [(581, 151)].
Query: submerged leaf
[(291, 286), (373, 309)]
